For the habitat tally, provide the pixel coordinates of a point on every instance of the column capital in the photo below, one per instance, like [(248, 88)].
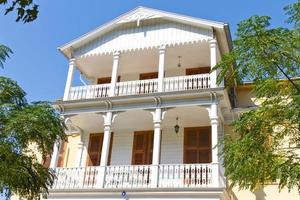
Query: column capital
[(72, 61), (162, 49), (158, 114), (116, 54), (80, 144), (214, 120), (107, 127), (212, 43), (157, 124)]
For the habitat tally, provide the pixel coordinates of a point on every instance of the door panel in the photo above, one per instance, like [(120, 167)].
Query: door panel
[(95, 148), (62, 153), (197, 145), (142, 148)]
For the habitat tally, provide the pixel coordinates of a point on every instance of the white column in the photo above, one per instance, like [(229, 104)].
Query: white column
[(105, 148), (161, 68), (157, 119), (69, 79), (114, 73), (55, 153), (80, 149), (213, 62), (214, 141)]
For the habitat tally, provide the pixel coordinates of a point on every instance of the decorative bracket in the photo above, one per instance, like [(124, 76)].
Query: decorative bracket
[(139, 16), (72, 128)]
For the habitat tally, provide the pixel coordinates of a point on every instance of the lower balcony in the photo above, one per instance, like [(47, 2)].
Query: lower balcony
[(170, 84), (137, 176)]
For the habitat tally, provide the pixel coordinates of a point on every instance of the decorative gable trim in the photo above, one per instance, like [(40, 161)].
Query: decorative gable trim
[(142, 13)]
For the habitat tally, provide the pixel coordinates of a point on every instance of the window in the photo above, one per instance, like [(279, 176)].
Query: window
[(142, 148), (95, 148), (197, 145)]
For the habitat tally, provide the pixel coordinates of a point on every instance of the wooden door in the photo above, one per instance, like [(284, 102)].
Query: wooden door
[(142, 148), (197, 70), (197, 145), (62, 154), (95, 148)]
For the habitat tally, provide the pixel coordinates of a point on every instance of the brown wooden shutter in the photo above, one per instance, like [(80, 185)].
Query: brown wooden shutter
[(197, 70), (62, 154), (142, 148), (197, 145), (46, 162), (105, 80), (95, 148), (151, 75)]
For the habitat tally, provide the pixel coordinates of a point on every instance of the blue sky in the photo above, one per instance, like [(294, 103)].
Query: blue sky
[(41, 70)]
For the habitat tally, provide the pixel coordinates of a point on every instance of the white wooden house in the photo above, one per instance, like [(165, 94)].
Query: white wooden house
[(148, 119)]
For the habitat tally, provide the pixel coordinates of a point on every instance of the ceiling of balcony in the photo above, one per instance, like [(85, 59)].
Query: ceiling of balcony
[(192, 55), (137, 120)]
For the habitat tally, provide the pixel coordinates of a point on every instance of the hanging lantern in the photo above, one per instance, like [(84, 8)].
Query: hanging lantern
[(179, 64), (176, 127)]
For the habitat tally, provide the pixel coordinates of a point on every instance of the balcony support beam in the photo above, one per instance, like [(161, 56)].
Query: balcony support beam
[(108, 120), (213, 62), (214, 121), (158, 115), (114, 74), (69, 79), (161, 68), (55, 153), (80, 149)]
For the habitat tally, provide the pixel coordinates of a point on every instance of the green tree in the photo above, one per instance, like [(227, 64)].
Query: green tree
[(27, 10), (4, 53), (23, 126), (255, 153)]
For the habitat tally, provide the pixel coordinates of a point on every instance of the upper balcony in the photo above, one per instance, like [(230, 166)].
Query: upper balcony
[(159, 70)]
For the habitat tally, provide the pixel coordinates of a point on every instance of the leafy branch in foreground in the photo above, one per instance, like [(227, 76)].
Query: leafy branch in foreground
[(25, 129), (262, 146), (27, 11), (4, 54)]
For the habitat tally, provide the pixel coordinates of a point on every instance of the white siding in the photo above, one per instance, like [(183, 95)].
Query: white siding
[(122, 148), (131, 37), (171, 146)]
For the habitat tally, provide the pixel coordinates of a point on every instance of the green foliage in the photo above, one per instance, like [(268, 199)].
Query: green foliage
[(4, 54), (262, 147), (27, 11), (23, 125)]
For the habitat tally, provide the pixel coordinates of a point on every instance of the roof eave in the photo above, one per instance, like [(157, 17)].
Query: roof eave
[(167, 15)]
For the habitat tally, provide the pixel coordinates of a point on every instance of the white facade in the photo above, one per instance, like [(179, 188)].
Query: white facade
[(148, 70)]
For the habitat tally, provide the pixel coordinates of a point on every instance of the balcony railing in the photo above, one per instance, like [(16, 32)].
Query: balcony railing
[(170, 84), (135, 176)]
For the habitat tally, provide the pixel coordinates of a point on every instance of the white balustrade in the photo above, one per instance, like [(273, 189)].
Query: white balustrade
[(191, 82), (171, 84), (78, 177), (185, 175), (135, 176), (128, 176), (89, 92), (136, 87)]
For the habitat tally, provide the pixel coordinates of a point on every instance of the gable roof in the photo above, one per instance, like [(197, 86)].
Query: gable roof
[(142, 13)]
